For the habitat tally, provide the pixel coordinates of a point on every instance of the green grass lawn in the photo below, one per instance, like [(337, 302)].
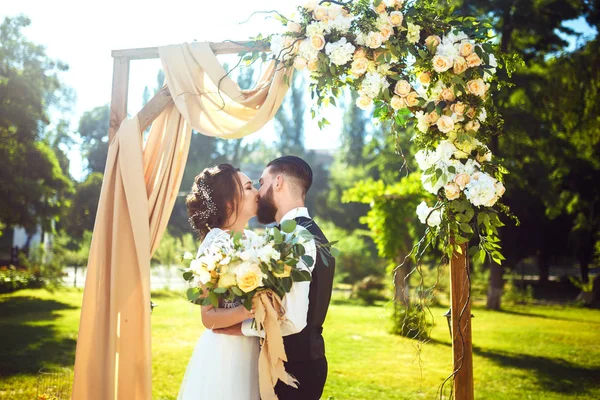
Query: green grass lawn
[(542, 352)]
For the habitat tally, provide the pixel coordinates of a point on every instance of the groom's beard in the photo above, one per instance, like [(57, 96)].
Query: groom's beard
[(266, 208)]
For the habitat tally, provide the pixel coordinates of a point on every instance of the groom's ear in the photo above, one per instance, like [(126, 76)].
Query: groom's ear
[(278, 182)]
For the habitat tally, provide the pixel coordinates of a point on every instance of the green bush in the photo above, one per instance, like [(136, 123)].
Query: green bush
[(411, 322), (13, 279), (369, 290), (358, 258)]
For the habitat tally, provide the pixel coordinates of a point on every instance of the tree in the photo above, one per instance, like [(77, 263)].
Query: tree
[(290, 119), (81, 214), (32, 177), (93, 130)]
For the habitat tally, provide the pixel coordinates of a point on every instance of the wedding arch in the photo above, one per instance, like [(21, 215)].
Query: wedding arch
[(402, 59)]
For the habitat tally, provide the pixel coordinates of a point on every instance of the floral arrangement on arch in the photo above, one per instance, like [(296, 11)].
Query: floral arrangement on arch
[(411, 57)]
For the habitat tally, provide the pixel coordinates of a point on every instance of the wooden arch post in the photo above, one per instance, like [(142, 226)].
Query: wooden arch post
[(462, 345), (459, 266)]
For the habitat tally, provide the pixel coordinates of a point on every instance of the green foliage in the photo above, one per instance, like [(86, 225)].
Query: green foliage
[(93, 131), (33, 176), (369, 290), (357, 258), (81, 214), (413, 323)]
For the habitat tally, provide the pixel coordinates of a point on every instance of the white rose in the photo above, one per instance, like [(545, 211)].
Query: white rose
[(423, 211), (340, 52), (500, 189), (334, 10), (422, 124), (462, 180)]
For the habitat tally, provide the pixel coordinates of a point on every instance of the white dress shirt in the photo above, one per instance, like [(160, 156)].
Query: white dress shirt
[(296, 301)]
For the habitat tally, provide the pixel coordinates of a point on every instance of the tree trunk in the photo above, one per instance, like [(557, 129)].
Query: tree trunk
[(401, 284), (496, 284), (596, 290), (544, 268)]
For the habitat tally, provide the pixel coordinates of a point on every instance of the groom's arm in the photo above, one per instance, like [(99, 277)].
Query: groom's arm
[(295, 302)]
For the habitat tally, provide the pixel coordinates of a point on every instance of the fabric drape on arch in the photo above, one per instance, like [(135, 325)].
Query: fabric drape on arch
[(141, 182)]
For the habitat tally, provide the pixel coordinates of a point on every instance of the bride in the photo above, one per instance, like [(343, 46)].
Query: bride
[(225, 367)]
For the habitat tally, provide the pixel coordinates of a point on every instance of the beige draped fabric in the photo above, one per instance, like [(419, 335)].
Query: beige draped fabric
[(268, 313), (211, 101), (141, 182)]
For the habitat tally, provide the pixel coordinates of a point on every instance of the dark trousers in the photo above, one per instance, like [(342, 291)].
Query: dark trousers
[(310, 374)]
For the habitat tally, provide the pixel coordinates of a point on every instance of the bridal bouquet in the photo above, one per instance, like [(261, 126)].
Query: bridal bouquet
[(241, 266)]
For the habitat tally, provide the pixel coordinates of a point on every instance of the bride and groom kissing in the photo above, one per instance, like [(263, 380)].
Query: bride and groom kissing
[(224, 364)]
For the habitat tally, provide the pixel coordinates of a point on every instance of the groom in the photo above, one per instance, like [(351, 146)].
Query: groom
[(283, 187)]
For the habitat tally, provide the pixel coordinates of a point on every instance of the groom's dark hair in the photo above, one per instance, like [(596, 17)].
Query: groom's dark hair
[(295, 168)]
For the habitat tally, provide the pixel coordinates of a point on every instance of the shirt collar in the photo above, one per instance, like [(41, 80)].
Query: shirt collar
[(295, 213)]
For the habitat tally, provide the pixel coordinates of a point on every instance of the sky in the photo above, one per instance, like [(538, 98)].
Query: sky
[(83, 34)]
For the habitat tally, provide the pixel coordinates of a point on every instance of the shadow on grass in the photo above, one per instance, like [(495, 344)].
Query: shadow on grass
[(541, 316), (28, 339), (554, 374)]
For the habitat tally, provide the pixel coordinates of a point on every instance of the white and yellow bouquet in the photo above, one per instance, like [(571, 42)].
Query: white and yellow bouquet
[(244, 264)]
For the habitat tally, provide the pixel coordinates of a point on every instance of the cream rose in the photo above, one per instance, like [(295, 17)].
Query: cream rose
[(317, 41), (471, 113), (432, 42), (360, 53), (472, 126), (460, 65), (476, 87), (380, 9), (452, 191), (293, 27), (364, 102), (500, 189), (441, 63), (448, 95), (313, 65), (397, 103), (487, 157), (425, 78), (412, 99), (473, 60), (445, 124), (396, 18), (432, 117), (226, 281), (359, 66), (466, 48), (402, 88), (374, 40), (320, 13), (462, 180), (386, 31), (310, 5), (249, 279), (300, 63), (458, 108)]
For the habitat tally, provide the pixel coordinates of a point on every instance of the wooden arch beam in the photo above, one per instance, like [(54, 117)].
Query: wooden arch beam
[(162, 99)]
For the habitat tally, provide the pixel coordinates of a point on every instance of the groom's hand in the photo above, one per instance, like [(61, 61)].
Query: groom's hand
[(233, 330)]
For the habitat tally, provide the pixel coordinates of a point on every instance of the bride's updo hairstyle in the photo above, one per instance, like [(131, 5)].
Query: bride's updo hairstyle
[(214, 198)]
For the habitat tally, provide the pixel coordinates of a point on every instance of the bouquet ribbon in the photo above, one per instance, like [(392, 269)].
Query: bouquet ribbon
[(268, 313)]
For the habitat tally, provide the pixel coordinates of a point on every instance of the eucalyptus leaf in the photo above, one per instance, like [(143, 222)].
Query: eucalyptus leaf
[(288, 226)]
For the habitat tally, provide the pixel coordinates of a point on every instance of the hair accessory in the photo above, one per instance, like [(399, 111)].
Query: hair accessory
[(205, 193)]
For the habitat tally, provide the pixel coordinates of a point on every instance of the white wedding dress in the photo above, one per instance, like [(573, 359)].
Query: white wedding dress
[(222, 367)]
